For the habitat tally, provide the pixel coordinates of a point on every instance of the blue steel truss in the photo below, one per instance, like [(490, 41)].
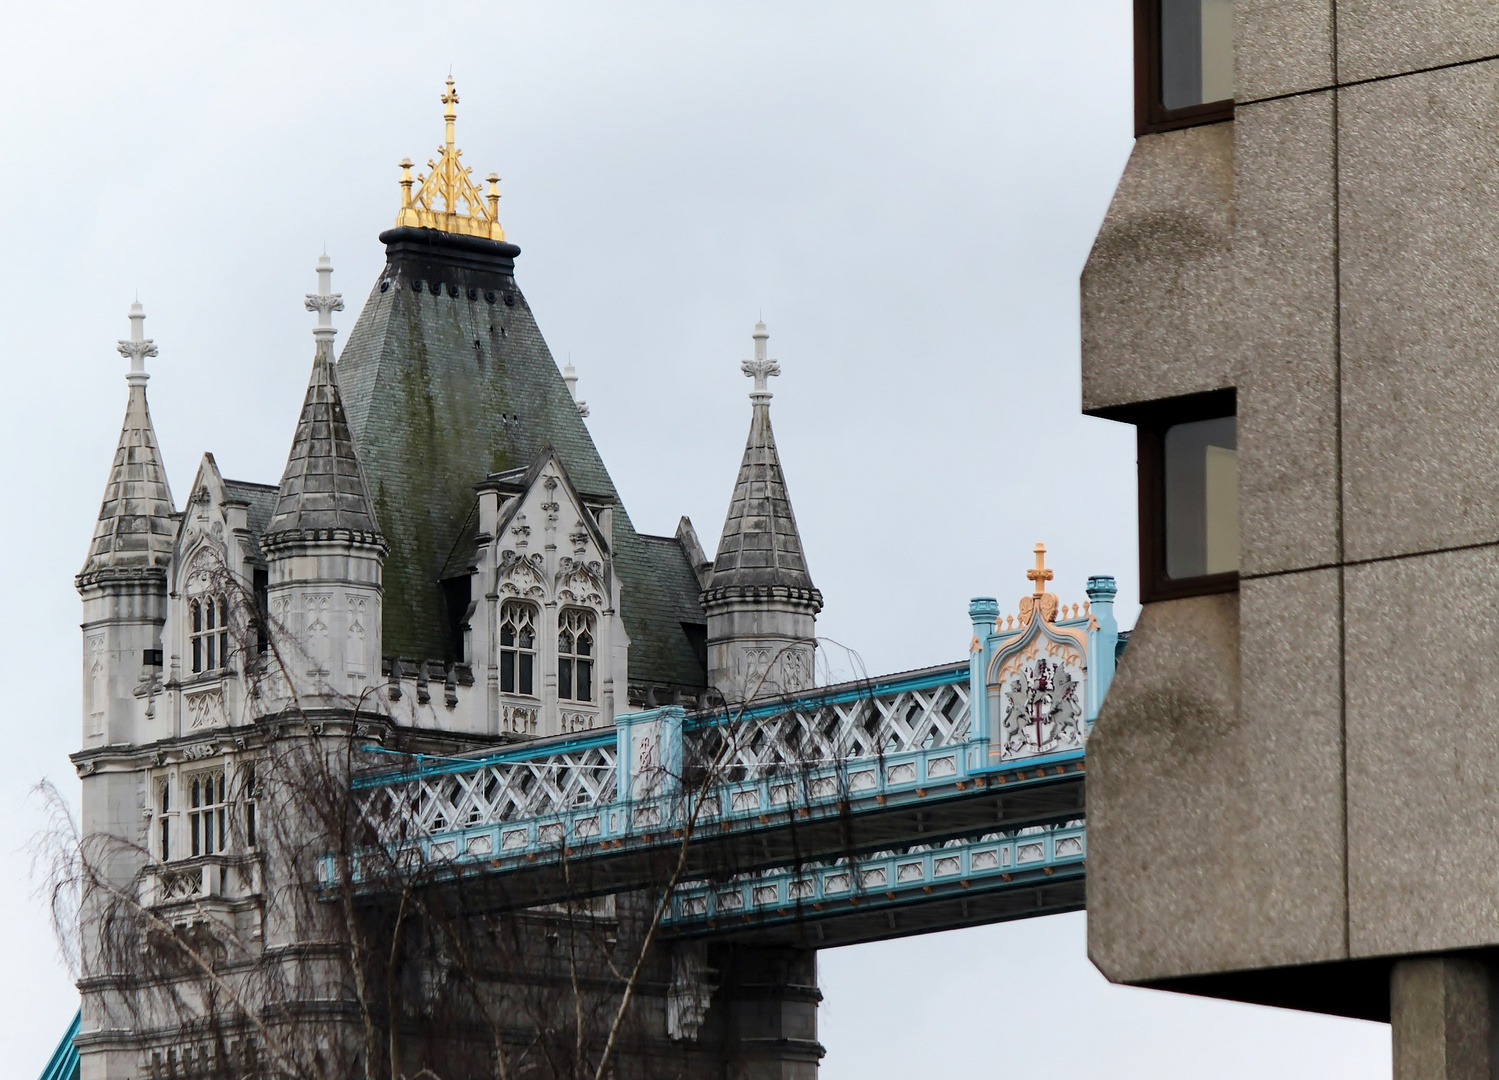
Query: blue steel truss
[(925, 744)]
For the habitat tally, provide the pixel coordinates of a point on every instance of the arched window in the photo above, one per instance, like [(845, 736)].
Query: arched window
[(206, 812), (575, 655), (209, 622), (517, 648)]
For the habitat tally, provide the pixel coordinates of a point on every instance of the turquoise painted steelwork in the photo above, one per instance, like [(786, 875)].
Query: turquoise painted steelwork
[(993, 862), (64, 1062), (1014, 717)]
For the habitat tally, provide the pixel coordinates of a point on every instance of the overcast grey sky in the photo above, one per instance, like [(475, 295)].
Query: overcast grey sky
[(907, 192)]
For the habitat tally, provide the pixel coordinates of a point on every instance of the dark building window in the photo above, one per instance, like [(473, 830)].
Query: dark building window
[(1184, 63), (1189, 494), (210, 632), (575, 656), (517, 648)]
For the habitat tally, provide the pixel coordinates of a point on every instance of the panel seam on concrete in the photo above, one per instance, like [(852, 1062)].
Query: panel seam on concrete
[(1342, 553), (1374, 560), (1335, 85)]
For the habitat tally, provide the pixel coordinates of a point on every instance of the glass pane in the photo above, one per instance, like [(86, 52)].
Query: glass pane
[(565, 678), (1202, 498), (1197, 52), (526, 681), (527, 638), (507, 635), (585, 680), (507, 672), (585, 644)]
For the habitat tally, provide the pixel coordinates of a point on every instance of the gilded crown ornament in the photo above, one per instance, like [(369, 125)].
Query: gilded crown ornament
[(433, 200)]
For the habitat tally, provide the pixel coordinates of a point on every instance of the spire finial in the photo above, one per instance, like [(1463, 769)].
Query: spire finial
[(325, 302), (760, 368), (570, 376), (446, 197), (138, 347), (1040, 575)]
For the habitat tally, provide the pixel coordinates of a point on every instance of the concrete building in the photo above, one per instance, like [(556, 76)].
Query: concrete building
[(1294, 296)]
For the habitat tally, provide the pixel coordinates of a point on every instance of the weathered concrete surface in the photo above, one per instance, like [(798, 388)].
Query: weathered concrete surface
[(1379, 38), (1281, 47), (1423, 693), (1286, 251), (1442, 1019), (1155, 292), (1419, 176)]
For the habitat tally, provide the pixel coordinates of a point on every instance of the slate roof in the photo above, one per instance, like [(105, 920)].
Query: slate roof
[(760, 544), (260, 498), (135, 530), (323, 486), (447, 379)]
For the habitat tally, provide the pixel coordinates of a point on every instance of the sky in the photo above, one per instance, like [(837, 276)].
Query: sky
[(906, 193)]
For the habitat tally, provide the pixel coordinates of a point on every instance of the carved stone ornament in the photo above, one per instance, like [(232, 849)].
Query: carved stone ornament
[(1040, 705), (522, 575), (579, 581), (205, 709), (199, 751)]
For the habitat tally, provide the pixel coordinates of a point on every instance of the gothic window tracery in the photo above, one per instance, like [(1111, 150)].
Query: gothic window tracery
[(575, 655), (208, 620), (164, 817), (518, 648), (207, 813)]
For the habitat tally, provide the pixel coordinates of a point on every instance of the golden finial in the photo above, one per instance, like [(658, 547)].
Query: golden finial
[(1040, 575), (436, 202)]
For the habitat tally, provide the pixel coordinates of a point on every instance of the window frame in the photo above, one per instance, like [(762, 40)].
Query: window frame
[(208, 638), (1151, 419), (515, 650), (1151, 116), (577, 622), (208, 819)]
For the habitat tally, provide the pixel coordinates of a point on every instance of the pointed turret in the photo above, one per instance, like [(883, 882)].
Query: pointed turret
[(323, 546), (323, 486), (136, 526), (124, 580), (760, 601)]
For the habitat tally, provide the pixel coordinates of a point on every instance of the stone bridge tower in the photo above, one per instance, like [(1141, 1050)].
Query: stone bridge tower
[(760, 601)]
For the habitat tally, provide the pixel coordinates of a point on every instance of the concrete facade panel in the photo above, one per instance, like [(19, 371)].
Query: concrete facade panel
[(1286, 250), (1195, 864), (1423, 774), (1157, 287), (1281, 47), (1380, 38), (1419, 245)]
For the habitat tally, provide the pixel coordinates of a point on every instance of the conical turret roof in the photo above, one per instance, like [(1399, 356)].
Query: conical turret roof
[(323, 486), (136, 519), (761, 545)]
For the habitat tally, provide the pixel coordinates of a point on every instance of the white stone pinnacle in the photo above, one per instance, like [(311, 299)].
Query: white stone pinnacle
[(138, 347), (325, 301), (760, 368), (570, 376)]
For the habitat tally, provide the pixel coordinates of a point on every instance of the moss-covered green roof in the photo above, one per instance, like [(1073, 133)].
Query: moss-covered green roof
[(446, 379)]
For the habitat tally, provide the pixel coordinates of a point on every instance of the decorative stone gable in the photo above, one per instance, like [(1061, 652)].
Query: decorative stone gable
[(545, 627)]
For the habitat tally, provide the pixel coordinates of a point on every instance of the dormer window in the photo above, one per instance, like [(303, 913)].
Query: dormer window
[(518, 649), (208, 618), (575, 655)]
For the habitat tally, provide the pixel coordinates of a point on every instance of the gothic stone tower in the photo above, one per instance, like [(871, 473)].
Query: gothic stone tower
[(762, 606), (445, 567)]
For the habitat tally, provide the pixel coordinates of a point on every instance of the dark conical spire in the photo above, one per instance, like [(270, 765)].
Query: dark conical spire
[(323, 486), (136, 526), (760, 544)]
